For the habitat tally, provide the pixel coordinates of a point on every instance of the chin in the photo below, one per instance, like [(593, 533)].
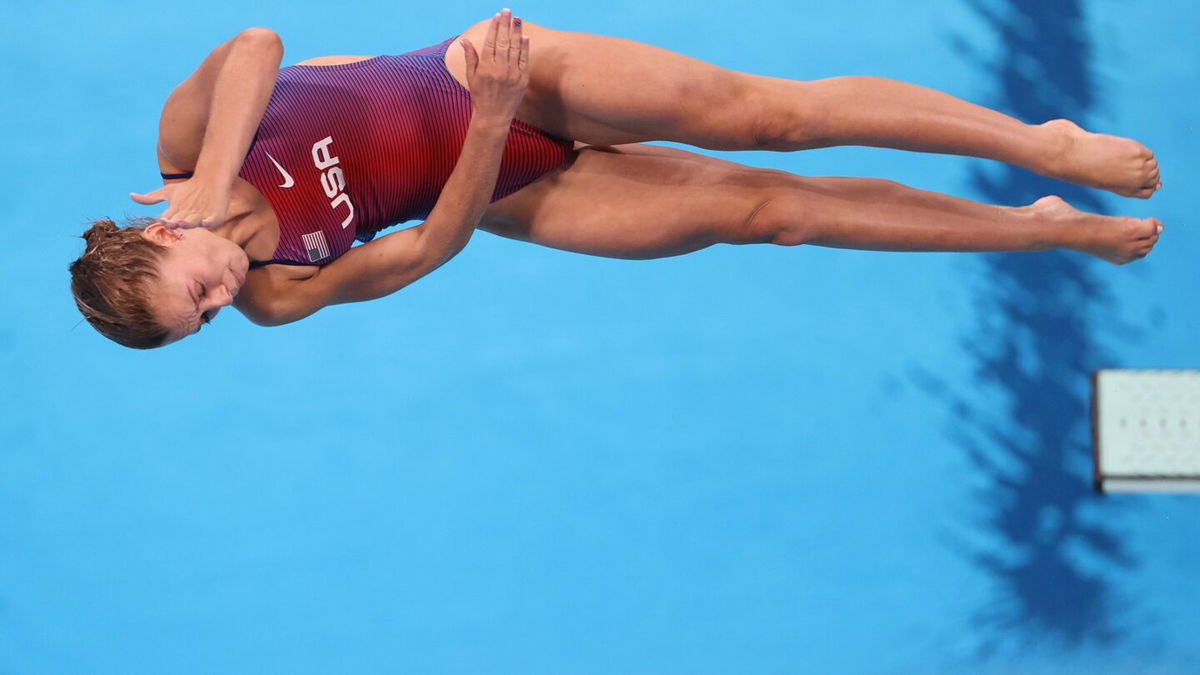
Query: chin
[(238, 256)]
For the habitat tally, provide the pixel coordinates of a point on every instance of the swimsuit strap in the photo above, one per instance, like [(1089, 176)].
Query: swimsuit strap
[(172, 176), (277, 261)]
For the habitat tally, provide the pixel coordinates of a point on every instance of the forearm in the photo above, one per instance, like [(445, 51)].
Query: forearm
[(467, 191), (240, 98)]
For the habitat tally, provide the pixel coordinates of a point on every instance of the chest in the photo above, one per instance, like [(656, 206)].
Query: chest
[(252, 216)]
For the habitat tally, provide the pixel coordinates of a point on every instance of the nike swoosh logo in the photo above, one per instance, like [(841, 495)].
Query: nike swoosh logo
[(287, 177)]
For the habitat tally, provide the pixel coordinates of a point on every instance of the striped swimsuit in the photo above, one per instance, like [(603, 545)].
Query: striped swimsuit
[(344, 151)]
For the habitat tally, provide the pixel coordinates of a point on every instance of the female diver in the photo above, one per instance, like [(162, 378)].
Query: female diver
[(271, 174)]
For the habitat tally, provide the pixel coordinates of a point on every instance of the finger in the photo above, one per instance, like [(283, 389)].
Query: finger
[(149, 198), (472, 55), (179, 219), (515, 45), (523, 62), (489, 45), (505, 33)]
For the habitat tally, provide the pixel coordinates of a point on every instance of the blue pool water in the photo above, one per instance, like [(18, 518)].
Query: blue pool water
[(745, 460)]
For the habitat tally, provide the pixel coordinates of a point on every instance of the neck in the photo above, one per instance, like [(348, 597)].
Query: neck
[(239, 227)]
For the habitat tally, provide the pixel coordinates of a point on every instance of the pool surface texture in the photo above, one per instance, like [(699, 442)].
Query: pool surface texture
[(750, 459)]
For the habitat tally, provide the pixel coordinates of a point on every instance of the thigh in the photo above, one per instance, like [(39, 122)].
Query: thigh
[(639, 202), (605, 90)]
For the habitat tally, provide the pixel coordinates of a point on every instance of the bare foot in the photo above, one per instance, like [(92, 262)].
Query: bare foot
[(1120, 165), (1116, 239)]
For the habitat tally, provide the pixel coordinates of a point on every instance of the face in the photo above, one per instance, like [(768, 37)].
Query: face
[(199, 275)]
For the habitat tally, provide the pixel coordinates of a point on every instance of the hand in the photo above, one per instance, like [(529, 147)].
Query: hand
[(499, 76), (192, 203)]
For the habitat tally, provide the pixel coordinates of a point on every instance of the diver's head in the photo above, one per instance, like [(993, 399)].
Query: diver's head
[(146, 286)]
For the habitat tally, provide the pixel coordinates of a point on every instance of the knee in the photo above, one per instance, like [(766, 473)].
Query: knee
[(775, 219), (876, 189), (735, 111), (797, 115), (789, 118)]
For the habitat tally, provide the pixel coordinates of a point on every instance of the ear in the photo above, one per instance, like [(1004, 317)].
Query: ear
[(161, 234)]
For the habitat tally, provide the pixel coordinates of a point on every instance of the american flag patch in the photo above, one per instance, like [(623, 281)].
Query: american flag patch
[(314, 243)]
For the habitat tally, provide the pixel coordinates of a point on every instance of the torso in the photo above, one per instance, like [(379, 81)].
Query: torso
[(256, 211), (249, 208)]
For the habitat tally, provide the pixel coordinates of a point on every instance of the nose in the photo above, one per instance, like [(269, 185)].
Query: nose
[(223, 299)]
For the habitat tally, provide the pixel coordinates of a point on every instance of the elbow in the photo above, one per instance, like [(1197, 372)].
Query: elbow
[(265, 320), (261, 317), (271, 313), (262, 35), (433, 252)]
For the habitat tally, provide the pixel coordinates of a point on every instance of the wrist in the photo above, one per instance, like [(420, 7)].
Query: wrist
[(492, 122), (213, 178)]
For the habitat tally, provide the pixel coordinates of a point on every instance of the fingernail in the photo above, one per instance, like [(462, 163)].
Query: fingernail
[(517, 22)]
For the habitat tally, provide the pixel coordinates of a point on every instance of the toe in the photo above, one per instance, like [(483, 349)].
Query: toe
[(1152, 177), (1145, 228)]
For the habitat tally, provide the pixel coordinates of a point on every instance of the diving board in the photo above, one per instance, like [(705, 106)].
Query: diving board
[(1146, 430)]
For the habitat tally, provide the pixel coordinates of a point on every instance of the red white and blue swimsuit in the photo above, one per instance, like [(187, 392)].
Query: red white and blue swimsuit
[(344, 151)]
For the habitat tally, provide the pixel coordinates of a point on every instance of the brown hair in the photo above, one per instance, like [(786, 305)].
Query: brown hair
[(111, 282)]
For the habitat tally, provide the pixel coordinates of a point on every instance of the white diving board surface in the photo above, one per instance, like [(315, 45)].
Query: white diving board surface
[(1146, 430)]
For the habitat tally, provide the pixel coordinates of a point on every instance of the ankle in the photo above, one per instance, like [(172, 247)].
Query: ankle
[(1056, 222), (1056, 138)]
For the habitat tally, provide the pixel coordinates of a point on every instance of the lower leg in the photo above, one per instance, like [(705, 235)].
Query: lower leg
[(873, 214), (875, 111)]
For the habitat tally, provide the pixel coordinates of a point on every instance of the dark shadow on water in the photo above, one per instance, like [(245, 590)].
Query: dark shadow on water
[(1038, 530)]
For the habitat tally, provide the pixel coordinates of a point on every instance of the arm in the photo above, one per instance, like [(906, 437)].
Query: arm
[(239, 98), (378, 268), (208, 122), (186, 115), (395, 260)]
